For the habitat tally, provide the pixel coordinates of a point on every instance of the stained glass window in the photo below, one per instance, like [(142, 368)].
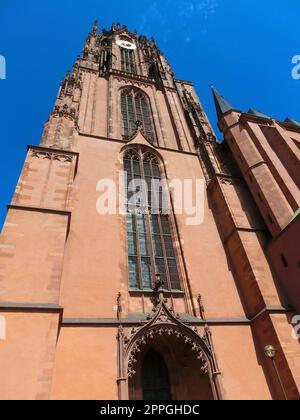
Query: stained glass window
[(150, 240)]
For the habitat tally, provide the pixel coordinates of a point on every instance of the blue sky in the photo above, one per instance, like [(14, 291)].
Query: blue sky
[(244, 48)]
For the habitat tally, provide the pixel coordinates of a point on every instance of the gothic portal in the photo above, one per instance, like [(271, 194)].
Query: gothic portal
[(142, 304)]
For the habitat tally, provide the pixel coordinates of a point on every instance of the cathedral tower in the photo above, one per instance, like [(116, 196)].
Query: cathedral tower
[(142, 304)]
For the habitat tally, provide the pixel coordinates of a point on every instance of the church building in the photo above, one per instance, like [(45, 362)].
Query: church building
[(149, 302)]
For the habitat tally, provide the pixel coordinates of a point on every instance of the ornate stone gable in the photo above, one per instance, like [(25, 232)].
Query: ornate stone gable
[(163, 321)]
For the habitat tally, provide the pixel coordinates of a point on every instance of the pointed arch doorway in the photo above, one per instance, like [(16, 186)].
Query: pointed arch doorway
[(165, 359), (155, 378), (168, 369)]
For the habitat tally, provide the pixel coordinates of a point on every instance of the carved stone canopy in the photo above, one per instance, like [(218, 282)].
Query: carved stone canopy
[(61, 157), (164, 322)]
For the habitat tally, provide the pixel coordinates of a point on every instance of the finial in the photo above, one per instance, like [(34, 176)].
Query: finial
[(152, 40), (158, 288), (95, 28), (139, 125), (201, 307), (158, 283), (119, 306)]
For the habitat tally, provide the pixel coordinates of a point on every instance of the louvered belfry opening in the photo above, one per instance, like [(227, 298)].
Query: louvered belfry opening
[(128, 63), (135, 106)]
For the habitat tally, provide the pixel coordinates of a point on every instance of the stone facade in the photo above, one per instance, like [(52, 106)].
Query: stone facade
[(74, 327)]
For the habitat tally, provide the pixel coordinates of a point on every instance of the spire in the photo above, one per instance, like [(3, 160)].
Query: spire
[(222, 106)]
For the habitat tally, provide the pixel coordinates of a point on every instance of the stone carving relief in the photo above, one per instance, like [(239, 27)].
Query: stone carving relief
[(163, 322), (52, 156)]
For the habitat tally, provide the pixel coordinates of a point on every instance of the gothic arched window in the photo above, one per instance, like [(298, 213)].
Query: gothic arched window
[(135, 106), (150, 241), (128, 63)]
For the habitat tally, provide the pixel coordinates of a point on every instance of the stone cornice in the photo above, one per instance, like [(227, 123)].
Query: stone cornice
[(52, 150), (185, 82), (106, 322), (270, 310), (30, 307), (39, 209), (114, 322), (131, 76), (110, 322), (124, 142), (245, 117)]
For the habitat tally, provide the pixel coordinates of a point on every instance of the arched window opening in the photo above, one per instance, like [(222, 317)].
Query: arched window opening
[(150, 240), (128, 113), (104, 61), (128, 63), (135, 106), (155, 378)]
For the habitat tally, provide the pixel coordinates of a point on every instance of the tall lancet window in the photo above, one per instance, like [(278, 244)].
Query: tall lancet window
[(150, 240), (135, 106), (128, 63)]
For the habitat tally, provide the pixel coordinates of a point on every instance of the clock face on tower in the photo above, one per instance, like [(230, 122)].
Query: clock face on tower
[(126, 44)]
